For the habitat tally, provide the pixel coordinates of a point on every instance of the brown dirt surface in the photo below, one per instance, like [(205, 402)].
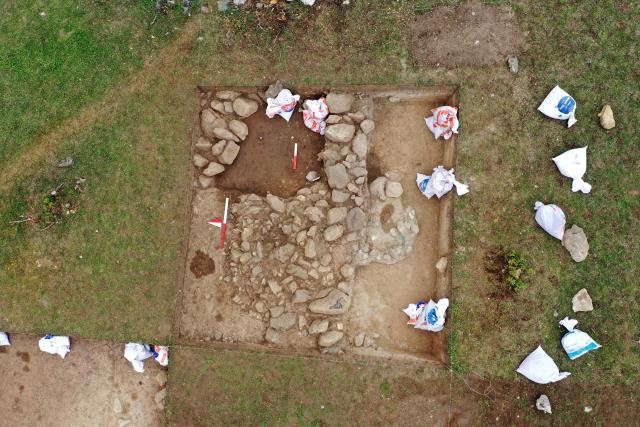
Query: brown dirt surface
[(402, 143), (202, 264), (470, 34), (80, 390), (264, 161)]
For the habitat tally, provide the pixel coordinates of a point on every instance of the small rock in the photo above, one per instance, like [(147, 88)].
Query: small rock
[(117, 406), (218, 147), (66, 162), (239, 128), (340, 133), (348, 271), (213, 169), (314, 213), (336, 215), (359, 145), (203, 144), (512, 62), (582, 301), (275, 203), (276, 311), (272, 336), (227, 107), (356, 219), (318, 326), (377, 187), (393, 189), (330, 338), (588, 409), (357, 117), (161, 378), (441, 265), (543, 404), (229, 154), (358, 172), (221, 133), (159, 398), (606, 117), (367, 126), (284, 322), (337, 176), (301, 296), (209, 120), (200, 161), (310, 249), (227, 95), (333, 119), (275, 287), (359, 339), (333, 232), (205, 181), (218, 106), (575, 241), (338, 196), (339, 102), (274, 89), (312, 176), (336, 302), (245, 107), (296, 270)]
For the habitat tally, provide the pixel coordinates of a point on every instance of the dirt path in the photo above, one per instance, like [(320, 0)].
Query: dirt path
[(44, 145), (93, 385)]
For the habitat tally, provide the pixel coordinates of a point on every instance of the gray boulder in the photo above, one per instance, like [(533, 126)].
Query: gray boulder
[(333, 232), (336, 302), (367, 126), (229, 154), (240, 129), (213, 169), (221, 133), (318, 326), (356, 219), (275, 203), (582, 301), (359, 145), (338, 196), (393, 189), (200, 161), (340, 133), (203, 144), (339, 102), (377, 188), (337, 176), (336, 215), (244, 107), (218, 147), (284, 322), (209, 120), (330, 338)]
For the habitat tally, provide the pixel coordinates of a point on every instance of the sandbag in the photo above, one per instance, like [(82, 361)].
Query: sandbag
[(4, 339), (314, 112), (283, 105), (573, 164), (440, 183), (429, 316), (443, 122), (559, 105), (161, 354), (55, 345), (551, 219), (575, 342), (540, 368), (136, 353)]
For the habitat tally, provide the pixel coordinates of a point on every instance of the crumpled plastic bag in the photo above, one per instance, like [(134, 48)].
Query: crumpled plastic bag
[(136, 353), (443, 122), (575, 342), (52, 344), (440, 183), (551, 218), (283, 105), (573, 164), (4, 339), (429, 316), (559, 105), (308, 2), (540, 368), (314, 112)]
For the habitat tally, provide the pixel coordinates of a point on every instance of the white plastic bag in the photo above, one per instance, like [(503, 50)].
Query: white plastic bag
[(575, 342), (551, 219), (413, 310), (559, 105), (540, 368), (283, 105), (4, 339), (573, 164), (313, 113), (443, 122), (55, 345), (432, 316), (136, 353), (161, 354), (440, 183)]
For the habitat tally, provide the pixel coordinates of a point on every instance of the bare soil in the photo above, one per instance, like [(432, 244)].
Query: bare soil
[(42, 389), (471, 34)]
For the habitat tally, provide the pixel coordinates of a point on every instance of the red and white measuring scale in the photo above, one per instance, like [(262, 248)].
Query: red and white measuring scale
[(294, 161), (221, 223)]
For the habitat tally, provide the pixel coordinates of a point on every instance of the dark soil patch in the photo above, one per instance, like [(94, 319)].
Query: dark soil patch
[(385, 218), (495, 265), (202, 264), (472, 34), (264, 162), (24, 356)]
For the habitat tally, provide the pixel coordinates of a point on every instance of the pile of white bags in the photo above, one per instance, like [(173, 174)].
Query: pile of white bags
[(573, 164), (55, 345), (427, 316), (4, 339), (540, 368), (443, 122), (559, 105), (440, 183), (137, 353), (313, 113), (575, 342), (551, 219), (283, 105)]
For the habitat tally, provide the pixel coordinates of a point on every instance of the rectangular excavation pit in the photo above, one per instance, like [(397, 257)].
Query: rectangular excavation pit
[(271, 287)]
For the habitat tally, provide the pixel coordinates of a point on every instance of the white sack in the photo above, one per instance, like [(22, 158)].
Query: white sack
[(432, 316), (440, 183), (573, 164), (559, 105), (283, 105), (540, 368), (161, 354), (308, 2), (4, 339), (551, 219), (136, 353), (443, 122), (314, 112), (575, 342), (55, 345)]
